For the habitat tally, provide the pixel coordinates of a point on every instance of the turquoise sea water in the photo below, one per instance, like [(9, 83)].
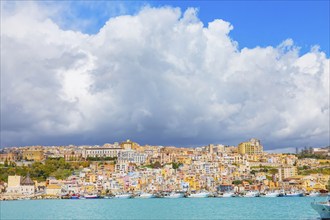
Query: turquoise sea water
[(184, 208)]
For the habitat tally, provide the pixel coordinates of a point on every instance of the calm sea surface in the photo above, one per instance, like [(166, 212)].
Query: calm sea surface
[(184, 208)]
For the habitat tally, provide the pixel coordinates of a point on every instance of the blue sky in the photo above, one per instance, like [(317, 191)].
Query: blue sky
[(256, 23), (263, 23)]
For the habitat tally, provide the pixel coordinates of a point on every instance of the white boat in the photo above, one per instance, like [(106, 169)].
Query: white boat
[(174, 195), (323, 208), (146, 196), (251, 194), (228, 194), (91, 196), (314, 194), (123, 196), (199, 195), (271, 194)]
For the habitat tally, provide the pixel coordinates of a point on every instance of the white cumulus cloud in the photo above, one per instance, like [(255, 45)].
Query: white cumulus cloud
[(160, 76)]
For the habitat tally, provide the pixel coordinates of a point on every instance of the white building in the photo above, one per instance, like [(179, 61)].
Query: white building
[(101, 152), (20, 185), (131, 156)]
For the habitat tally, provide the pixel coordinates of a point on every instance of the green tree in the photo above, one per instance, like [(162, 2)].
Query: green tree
[(176, 165), (6, 163), (253, 172), (305, 167), (237, 182), (273, 171)]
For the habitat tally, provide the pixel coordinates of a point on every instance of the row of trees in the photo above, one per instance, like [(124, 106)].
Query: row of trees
[(307, 152), (101, 158), (264, 169), (56, 167), (239, 182), (324, 171)]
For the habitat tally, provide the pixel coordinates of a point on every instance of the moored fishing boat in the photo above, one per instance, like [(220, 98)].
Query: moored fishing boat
[(75, 196), (123, 196), (228, 194), (323, 208), (199, 195), (91, 196), (293, 194), (173, 195), (65, 196), (146, 196), (271, 194), (251, 194)]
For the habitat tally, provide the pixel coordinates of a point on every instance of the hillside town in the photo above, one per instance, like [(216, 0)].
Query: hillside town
[(127, 168)]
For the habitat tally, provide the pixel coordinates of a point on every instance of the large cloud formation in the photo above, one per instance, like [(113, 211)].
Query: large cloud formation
[(157, 77)]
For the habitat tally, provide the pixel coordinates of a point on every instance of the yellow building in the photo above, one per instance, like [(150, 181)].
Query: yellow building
[(53, 189), (35, 155), (251, 148), (324, 161), (183, 159), (253, 158), (270, 184), (91, 178), (287, 171), (193, 183), (319, 186), (89, 188), (14, 181), (129, 145)]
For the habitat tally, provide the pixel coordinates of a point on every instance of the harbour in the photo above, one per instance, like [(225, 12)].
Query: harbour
[(180, 208)]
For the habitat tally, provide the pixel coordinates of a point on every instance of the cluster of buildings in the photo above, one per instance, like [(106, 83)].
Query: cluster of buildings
[(129, 167)]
